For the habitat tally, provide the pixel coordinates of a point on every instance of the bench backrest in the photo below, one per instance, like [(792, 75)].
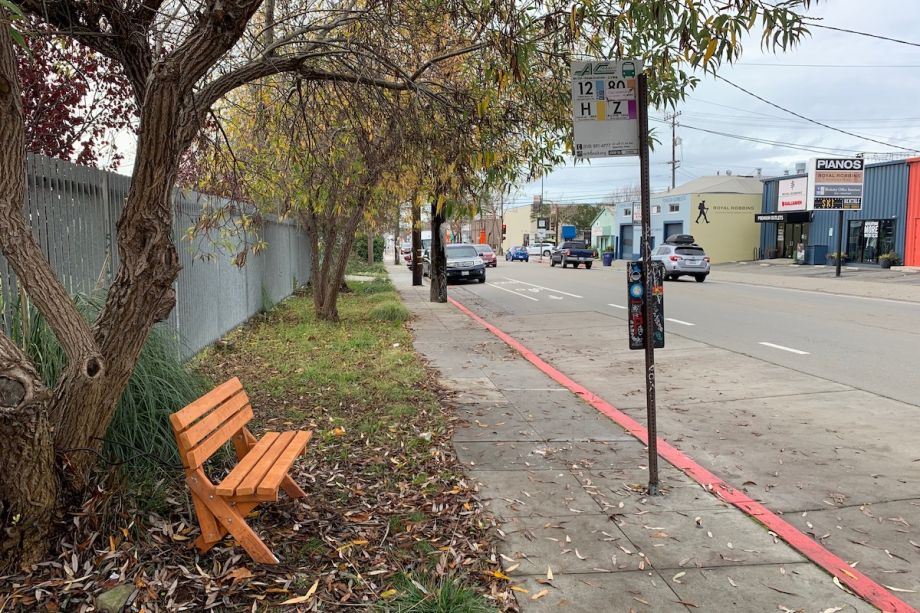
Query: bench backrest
[(205, 425)]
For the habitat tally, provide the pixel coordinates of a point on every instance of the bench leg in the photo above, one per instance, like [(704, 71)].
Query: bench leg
[(210, 529), (204, 544), (231, 518), (291, 488)]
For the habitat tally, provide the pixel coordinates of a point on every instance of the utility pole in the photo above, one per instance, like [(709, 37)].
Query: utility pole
[(674, 161)]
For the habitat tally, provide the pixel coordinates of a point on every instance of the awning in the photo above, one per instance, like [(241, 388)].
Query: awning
[(796, 217)]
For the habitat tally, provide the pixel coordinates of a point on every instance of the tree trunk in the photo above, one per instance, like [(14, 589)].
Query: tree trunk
[(29, 489), (416, 243), (370, 247), (438, 269)]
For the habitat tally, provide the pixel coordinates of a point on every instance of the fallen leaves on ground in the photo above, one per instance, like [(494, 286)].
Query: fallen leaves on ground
[(386, 498)]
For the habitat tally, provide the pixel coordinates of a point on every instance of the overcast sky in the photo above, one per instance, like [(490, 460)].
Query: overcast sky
[(863, 85)]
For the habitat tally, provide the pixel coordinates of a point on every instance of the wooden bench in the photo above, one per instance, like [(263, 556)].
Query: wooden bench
[(262, 466)]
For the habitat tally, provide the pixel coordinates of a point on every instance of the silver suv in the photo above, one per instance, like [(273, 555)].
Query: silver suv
[(683, 259)]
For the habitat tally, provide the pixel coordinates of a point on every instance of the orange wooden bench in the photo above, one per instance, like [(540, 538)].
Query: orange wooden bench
[(262, 466)]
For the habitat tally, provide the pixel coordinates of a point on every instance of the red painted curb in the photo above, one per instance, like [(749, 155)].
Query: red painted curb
[(866, 588)]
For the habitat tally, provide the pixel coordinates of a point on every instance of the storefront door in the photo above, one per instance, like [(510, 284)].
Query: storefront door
[(789, 236)]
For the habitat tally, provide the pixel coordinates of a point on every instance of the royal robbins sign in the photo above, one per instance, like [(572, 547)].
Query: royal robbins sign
[(791, 195), (835, 184)]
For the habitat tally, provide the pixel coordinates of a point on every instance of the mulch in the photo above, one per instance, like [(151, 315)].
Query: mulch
[(374, 511)]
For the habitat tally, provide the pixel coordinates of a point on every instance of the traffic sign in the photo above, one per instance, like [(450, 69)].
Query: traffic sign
[(605, 108), (835, 184)]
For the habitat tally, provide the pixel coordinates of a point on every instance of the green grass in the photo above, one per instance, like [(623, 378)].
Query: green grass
[(358, 266), (390, 310), (361, 372), (448, 595)]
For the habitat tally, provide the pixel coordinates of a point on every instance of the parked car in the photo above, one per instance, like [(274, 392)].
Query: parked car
[(517, 253), (405, 248), (488, 256), (426, 245), (574, 253), (463, 264), (683, 259), (544, 249)]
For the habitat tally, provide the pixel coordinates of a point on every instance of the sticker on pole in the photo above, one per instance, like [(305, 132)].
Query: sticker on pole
[(605, 109)]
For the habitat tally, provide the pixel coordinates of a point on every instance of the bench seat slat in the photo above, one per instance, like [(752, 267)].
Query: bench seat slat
[(252, 480), (199, 455), (227, 487), (187, 416), (273, 478)]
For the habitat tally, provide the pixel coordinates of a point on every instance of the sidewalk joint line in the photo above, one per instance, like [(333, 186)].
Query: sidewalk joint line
[(865, 587)]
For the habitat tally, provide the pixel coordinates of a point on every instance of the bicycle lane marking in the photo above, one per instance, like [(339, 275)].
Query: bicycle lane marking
[(867, 589)]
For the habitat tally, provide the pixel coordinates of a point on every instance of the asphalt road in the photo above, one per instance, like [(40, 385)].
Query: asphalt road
[(867, 343)]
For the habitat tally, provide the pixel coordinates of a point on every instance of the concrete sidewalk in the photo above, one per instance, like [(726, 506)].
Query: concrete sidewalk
[(578, 532), (898, 283)]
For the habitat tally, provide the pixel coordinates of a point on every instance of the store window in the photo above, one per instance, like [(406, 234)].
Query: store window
[(869, 238)]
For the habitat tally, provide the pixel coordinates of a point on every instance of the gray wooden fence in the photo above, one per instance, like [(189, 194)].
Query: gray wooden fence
[(73, 211)]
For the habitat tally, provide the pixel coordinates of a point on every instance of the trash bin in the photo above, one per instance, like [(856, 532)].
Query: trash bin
[(815, 254), (608, 258)]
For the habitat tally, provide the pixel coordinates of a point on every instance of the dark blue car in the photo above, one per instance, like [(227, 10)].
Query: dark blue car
[(517, 253)]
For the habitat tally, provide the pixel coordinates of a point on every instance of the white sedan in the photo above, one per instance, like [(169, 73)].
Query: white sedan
[(540, 248)]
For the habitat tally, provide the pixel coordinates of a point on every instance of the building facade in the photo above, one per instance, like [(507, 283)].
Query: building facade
[(717, 211), (604, 229), (881, 226)]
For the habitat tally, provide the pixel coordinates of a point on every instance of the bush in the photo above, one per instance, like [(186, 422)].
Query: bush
[(448, 595), (390, 310), (139, 436), (360, 247)]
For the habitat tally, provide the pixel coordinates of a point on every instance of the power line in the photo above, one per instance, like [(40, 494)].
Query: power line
[(866, 34), (778, 65), (813, 149), (773, 104)]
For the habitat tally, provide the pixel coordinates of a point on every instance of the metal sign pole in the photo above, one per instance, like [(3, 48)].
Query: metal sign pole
[(839, 240), (648, 280)]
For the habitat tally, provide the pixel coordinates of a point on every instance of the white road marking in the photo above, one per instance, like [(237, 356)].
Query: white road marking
[(549, 289), (556, 297), (789, 349), (677, 321), (520, 295), (617, 306)]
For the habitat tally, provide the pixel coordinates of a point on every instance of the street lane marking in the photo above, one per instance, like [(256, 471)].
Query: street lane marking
[(617, 306), (515, 293), (677, 321), (870, 591), (549, 289), (789, 349)]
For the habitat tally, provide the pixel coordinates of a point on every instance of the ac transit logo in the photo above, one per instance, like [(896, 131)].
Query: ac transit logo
[(838, 164)]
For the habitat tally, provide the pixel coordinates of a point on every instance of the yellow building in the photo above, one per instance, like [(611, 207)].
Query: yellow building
[(519, 227), (717, 211)]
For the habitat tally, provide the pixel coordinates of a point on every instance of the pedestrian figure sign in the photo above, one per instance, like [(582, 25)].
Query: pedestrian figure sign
[(605, 108)]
